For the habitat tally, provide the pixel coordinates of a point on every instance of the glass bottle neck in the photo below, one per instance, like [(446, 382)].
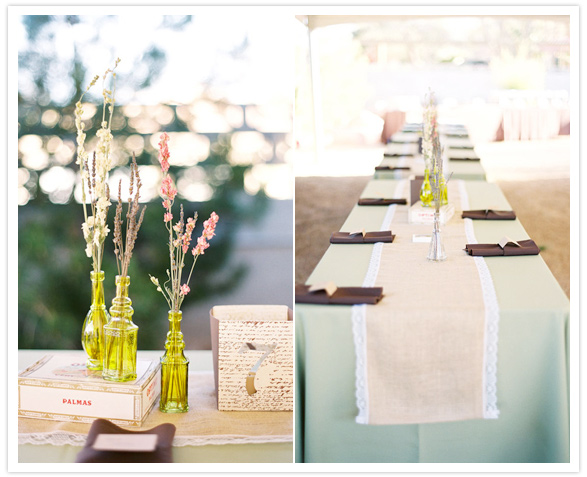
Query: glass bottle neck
[(97, 288), (121, 304), (175, 321)]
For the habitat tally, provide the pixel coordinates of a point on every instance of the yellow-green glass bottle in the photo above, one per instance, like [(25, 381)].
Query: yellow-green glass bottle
[(426, 196), (93, 327), (174, 369), (120, 337), (443, 191)]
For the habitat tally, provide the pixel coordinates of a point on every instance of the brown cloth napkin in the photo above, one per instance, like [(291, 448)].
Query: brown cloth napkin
[(392, 168), (463, 147), (527, 247), (342, 296), (382, 201), (369, 237), (394, 154), (463, 158), (489, 214), (162, 453)]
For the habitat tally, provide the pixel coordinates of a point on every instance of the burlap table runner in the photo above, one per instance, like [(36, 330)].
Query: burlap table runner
[(421, 350), (203, 424)]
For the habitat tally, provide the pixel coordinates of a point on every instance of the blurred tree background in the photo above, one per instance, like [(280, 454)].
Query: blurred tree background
[(218, 161)]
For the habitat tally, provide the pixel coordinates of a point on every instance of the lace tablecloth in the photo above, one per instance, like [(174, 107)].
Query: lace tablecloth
[(202, 425)]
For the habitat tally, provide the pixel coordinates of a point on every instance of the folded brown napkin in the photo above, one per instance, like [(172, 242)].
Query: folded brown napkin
[(489, 214), (382, 201), (342, 296), (393, 154), (463, 158), (527, 247), (391, 168), (162, 452), (369, 237)]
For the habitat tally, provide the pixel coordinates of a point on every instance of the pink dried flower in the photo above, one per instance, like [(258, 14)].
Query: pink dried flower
[(201, 246), (164, 152), (184, 289), (167, 189), (180, 234)]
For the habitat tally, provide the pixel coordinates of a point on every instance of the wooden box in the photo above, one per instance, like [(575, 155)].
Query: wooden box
[(252, 348), (61, 388)]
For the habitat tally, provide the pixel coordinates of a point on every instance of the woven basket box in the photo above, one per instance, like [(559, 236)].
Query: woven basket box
[(61, 388), (252, 348)]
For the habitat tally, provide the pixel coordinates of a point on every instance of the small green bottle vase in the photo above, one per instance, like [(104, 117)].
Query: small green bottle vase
[(443, 191), (120, 337), (93, 327), (426, 196), (174, 369)]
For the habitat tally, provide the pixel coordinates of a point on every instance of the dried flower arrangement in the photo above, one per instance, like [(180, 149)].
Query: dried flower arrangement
[(94, 227), (123, 247), (429, 128), (180, 236)]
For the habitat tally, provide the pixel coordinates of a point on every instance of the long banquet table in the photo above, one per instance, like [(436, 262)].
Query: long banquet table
[(265, 450), (532, 366)]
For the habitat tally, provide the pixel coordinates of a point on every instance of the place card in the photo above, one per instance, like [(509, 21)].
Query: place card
[(358, 232), (126, 442), (421, 238), (505, 240), (329, 287)]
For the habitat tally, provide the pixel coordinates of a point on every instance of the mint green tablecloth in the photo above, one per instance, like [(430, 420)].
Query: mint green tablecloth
[(533, 425), (466, 170)]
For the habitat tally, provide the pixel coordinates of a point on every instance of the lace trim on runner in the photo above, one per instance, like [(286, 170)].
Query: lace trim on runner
[(490, 410), (359, 325), (359, 338), (61, 438)]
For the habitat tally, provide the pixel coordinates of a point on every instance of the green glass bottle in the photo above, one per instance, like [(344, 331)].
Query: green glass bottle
[(443, 191), (120, 337), (426, 196), (174, 369), (93, 327)]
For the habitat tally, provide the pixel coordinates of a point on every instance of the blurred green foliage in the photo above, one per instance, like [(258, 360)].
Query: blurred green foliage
[(54, 272), (54, 287)]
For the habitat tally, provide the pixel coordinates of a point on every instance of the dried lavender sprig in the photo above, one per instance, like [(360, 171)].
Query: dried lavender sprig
[(124, 248)]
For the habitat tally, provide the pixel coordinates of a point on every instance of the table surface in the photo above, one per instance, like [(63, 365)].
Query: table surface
[(466, 170), (532, 373), (200, 360)]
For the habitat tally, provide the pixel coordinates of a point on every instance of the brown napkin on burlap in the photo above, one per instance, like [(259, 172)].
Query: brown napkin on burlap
[(392, 168), (489, 214), (526, 247), (162, 452), (382, 201), (342, 296), (369, 237)]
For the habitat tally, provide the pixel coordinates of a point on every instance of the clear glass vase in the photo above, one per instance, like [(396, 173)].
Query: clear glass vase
[(436, 251), (93, 327), (426, 196), (174, 369), (120, 337)]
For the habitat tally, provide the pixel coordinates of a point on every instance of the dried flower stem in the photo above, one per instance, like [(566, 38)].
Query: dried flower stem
[(97, 194), (180, 236), (123, 246)]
